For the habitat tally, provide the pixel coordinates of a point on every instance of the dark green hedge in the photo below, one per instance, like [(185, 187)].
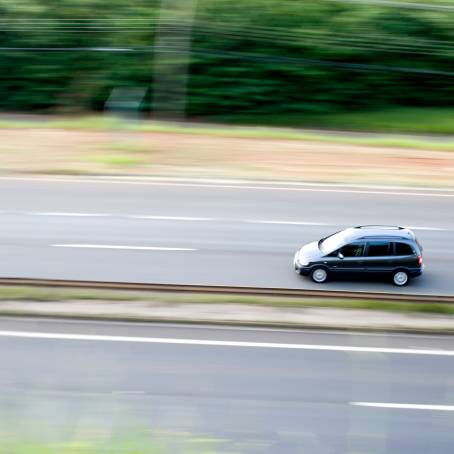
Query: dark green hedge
[(248, 56)]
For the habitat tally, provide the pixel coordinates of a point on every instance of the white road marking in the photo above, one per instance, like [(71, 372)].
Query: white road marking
[(128, 393), (205, 327), (127, 216), (293, 189), (404, 406), (215, 343), (112, 246), (68, 214), (208, 219), (323, 224), (286, 222), (435, 229), (405, 191), (169, 218)]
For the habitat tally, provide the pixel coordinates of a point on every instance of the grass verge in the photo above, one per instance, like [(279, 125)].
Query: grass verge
[(138, 443), (413, 120), (347, 122), (61, 295)]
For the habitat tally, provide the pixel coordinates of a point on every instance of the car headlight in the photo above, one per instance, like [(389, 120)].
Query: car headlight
[(303, 261)]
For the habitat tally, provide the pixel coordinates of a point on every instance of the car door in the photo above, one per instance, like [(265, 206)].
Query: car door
[(350, 259), (379, 256), (405, 256)]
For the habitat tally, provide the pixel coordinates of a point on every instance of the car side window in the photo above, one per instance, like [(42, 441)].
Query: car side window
[(379, 248), (403, 249), (352, 250)]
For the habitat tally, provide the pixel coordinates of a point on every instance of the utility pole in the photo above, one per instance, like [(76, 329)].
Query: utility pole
[(172, 57)]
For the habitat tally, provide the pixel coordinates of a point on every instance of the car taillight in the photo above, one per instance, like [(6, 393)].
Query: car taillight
[(419, 260)]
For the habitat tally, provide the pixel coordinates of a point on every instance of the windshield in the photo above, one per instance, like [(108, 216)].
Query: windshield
[(333, 242)]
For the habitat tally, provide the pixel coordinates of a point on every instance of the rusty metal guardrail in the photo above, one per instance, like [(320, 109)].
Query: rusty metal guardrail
[(225, 290)]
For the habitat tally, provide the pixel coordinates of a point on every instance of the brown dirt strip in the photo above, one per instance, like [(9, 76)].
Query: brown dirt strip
[(59, 151)]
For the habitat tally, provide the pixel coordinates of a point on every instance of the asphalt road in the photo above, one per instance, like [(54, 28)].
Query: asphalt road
[(250, 390), (196, 233)]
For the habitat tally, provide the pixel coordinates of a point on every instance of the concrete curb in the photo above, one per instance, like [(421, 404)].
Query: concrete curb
[(239, 183)]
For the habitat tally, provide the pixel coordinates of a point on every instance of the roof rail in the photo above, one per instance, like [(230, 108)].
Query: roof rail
[(388, 227)]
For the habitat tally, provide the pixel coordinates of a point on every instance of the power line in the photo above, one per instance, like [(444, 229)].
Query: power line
[(362, 67), (295, 38), (278, 35), (396, 4)]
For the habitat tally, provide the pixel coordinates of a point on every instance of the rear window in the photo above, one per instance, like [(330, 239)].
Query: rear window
[(403, 249), (379, 248)]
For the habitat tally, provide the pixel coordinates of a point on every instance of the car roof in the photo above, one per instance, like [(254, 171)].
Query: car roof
[(380, 231)]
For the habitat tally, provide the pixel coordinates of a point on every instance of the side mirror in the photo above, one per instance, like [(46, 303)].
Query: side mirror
[(340, 255)]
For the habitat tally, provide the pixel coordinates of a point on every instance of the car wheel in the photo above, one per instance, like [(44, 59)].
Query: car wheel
[(400, 278), (319, 275)]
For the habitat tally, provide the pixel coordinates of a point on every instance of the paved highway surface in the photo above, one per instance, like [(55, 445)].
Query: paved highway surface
[(197, 233), (204, 234), (257, 390)]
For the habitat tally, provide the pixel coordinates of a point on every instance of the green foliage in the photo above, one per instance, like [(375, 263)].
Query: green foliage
[(251, 58)]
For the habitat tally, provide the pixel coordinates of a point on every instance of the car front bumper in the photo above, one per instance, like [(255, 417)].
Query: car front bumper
[(299, 268)]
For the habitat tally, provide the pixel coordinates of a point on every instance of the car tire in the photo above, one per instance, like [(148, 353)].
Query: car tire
[(401, 278), (319, 275)]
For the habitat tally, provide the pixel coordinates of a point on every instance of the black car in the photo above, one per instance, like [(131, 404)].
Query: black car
[(374, 250)]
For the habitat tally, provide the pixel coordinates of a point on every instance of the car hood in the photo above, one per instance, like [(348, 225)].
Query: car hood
[(310, 251)]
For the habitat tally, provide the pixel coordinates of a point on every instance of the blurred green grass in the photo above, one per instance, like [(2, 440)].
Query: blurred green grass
[(419, 120), (118, 160), (401, 122), (133, 444), (128, 147), (17, 293)]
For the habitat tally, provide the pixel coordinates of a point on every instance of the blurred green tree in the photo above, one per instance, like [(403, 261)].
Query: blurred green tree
[(254, 57)]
